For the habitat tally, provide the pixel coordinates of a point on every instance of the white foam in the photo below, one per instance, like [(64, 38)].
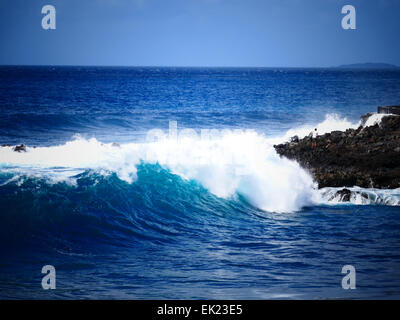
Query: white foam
[(332, 122), (359, 196), (374, 119), (362, 196), (235, 162)]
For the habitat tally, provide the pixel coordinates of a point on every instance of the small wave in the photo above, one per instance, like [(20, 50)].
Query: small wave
[(360, 196)]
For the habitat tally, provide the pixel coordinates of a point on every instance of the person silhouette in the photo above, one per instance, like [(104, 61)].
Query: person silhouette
[(314, 135)]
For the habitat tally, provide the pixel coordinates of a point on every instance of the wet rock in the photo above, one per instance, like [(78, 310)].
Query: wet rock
[(366, 157), (20, 148), (344, 194)]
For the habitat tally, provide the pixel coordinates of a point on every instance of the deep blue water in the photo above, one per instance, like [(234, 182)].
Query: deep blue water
[(162, 236)]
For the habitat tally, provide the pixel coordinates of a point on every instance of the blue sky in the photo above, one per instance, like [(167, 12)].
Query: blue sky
[(267, 33)]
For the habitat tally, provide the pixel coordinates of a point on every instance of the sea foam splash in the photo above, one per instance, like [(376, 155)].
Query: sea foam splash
[(333, 122), (243, 162), (362, 196)]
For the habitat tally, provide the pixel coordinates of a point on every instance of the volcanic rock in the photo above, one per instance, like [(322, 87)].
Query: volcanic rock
[(365, 157), (20, 148)]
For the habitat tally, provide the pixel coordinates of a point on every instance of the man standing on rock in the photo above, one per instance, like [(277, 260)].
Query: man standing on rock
[(314, 136)]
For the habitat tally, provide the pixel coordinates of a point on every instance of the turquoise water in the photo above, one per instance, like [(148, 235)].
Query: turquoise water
[(222, 218)]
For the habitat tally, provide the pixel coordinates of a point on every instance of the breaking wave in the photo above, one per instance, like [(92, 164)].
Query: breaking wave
[(238, 163)]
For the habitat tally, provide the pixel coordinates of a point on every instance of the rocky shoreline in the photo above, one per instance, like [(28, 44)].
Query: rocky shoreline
[(367, 157)]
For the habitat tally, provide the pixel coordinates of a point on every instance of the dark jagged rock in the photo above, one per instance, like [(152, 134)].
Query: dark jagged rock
[(20, 148), (365, 157), (389, 109), (345, 195)]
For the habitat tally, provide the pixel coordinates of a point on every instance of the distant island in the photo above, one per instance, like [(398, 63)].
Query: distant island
[(368, 65)]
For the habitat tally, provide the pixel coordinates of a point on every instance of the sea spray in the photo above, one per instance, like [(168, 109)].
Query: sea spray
[(243, 163), (332, 122), (228, 163)]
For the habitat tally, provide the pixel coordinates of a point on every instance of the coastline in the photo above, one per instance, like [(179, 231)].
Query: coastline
[(367, 157)]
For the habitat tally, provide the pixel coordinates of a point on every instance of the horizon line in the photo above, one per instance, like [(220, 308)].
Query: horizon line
[(342, 66)]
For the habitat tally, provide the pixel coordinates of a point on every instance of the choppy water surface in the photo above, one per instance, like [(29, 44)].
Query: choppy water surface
[(222, 217)]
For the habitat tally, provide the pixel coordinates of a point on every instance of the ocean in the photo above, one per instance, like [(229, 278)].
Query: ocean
[(163, 183)]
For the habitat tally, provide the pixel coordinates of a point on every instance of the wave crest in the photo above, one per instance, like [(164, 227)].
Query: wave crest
[(239, 162), (243, 163)]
